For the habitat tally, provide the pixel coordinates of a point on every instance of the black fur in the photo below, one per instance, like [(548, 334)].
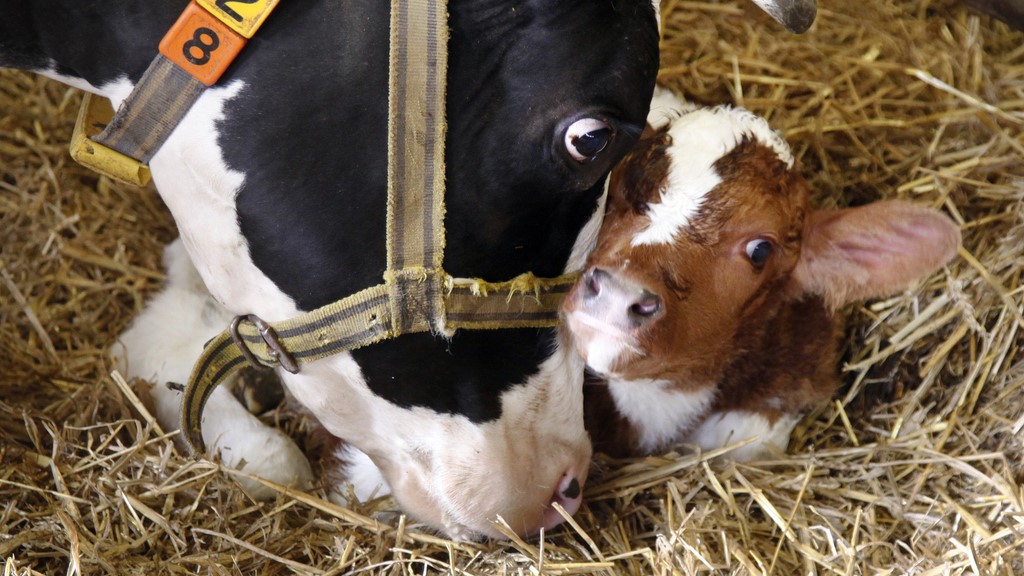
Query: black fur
[(308, 132)]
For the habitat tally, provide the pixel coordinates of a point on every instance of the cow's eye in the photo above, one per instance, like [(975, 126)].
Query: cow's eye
[(587, 137), (759, 251)]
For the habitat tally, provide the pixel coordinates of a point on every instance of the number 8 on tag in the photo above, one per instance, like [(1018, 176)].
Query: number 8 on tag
[(201, 44)]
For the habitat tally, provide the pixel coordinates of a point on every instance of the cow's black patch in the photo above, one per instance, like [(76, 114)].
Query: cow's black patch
[(94, 40), (309, 131), (465, 375)]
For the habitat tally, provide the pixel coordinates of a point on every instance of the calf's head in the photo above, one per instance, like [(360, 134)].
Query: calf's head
[(709, 233)]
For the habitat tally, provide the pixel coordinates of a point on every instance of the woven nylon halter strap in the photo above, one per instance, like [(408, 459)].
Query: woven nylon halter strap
[(195, 52), (417, 295), (121, 145)]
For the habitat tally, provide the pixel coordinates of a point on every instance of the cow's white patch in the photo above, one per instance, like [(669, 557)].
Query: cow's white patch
[(603, 351), (161, 346), (200, 191), (115, 91), (699, 138), (662, 413), (724, 429), (362, 474), (72, 81)]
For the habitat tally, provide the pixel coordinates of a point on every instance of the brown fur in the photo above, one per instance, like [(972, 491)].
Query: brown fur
[(771, 346), (765, 337), (703, 276)]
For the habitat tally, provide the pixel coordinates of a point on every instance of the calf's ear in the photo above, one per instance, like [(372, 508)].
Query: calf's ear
[(872, 250)]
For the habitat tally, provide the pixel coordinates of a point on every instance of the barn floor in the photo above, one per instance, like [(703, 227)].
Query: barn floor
[(915, 468)]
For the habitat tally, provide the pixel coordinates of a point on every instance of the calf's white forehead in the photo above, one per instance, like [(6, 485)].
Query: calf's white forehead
[(699, 139)]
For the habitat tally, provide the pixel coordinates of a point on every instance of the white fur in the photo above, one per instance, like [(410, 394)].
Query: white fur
[(777, 11), (769, 6), (72, 81), (161, 346), (587, 238), (605, 344), (661, 412), (666, 107), (657, 14), (362, 474), (199, 189), (700, 137), (726, 428)]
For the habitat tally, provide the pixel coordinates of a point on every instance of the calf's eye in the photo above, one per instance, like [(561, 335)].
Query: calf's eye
[(587, 137), (759, 251)]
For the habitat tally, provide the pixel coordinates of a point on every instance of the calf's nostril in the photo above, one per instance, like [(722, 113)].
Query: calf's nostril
[(592, 282), (647, 306)]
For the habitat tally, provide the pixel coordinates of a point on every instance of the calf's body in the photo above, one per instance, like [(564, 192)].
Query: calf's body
[(707, 312)]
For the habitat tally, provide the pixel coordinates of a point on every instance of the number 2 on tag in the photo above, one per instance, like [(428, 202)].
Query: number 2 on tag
[(225, 6), (242, 16)]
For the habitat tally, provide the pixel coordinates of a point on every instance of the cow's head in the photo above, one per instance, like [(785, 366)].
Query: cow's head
[(544, 97)]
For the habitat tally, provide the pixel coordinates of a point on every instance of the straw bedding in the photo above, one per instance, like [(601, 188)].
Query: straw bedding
[(915, 468)]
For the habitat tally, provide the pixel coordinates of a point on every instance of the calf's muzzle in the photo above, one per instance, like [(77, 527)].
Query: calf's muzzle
[(618, 301)]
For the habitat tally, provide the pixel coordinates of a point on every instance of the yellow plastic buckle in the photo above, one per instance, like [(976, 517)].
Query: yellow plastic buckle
[(93, 116)]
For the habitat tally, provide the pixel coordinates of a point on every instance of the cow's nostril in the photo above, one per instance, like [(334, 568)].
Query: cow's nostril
[(646, 307), (572, 491), (568, 494)]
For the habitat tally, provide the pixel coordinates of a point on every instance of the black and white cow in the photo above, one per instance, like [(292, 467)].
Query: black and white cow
[(276, 179)]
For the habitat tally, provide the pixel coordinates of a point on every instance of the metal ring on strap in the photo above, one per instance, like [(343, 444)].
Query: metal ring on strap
[(275, 349)]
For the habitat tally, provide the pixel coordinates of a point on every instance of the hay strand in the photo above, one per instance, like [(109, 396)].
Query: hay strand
[(914, 468)]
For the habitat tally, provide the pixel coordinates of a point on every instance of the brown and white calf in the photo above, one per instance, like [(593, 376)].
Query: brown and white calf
[(709, 302)]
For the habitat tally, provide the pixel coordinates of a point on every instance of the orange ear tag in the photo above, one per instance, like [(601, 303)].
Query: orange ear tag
[(201, 44)]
